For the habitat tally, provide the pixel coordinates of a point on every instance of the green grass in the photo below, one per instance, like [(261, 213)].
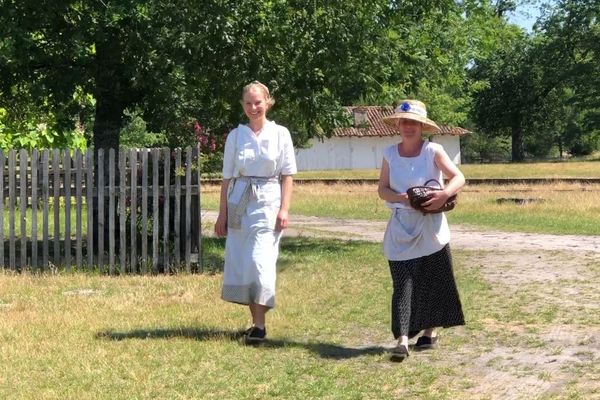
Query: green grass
[(39, 219), (82, 336)]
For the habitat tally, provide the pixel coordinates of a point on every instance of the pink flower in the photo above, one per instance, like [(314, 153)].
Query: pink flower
[(197, 128), (203, 139), (213, 144)]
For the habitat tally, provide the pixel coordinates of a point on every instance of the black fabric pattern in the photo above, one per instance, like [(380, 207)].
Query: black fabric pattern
[(425, 294)]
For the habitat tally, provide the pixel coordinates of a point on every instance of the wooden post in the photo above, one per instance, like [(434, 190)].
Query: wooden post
[(34, 208), (100, 197), (167, 195), (133, 209), (144, 229), (111, 210), (123, 209), (188, 209), (177, 216), (67, 168), (155, 211), (89, 187), (23, 164), (2, 262), (199, 178), (45, 199), (12, 201), (56, 203), (78, 209)]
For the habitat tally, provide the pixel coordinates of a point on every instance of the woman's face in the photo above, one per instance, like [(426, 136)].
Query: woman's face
[(410, 128), (255, 104)]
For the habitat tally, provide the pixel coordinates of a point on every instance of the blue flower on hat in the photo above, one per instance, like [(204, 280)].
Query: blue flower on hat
[(405, 107)]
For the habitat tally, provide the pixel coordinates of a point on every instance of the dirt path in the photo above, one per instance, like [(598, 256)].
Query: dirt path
[(462, 237)]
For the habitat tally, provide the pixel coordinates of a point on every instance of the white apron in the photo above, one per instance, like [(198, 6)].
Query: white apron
[(410, 233)]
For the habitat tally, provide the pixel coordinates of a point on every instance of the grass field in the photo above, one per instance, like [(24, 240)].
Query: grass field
[(566, 208), (531, 333), (559, 208), (568, 169), (94, 337)]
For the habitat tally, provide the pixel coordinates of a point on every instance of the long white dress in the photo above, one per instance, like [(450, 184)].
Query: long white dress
[(254, 164)]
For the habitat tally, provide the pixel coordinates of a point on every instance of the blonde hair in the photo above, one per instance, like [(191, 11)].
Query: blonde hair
[(265, 91)]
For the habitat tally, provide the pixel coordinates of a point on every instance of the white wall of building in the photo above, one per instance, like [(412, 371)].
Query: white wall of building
[(359, 152), (451, 144)]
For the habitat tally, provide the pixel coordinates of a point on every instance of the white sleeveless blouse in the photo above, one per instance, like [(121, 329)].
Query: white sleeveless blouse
[(410, 233)]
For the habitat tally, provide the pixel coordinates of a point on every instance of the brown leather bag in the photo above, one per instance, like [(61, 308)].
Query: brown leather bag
[(417, 195)]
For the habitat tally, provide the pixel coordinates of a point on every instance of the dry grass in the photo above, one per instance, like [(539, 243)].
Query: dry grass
[(560, 208), (566, 169), (556, 208)]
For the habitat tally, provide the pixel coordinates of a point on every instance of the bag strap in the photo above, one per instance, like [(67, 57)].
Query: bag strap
[(433, 180)]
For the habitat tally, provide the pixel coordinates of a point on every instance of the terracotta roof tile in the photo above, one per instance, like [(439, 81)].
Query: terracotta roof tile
[(375, 126)]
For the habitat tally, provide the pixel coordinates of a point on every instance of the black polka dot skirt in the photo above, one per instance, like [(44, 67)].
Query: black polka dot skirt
[(425, 294)]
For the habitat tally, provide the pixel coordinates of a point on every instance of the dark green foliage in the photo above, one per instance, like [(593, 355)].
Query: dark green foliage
[(149, 70)]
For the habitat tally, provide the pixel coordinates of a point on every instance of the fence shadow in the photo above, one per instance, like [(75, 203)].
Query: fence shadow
[(324, 350)]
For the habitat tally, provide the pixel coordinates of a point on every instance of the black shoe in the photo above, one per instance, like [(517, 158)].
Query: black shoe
[(246, 331), (399, 353), (412, 334), (255, 335), (426, 342)]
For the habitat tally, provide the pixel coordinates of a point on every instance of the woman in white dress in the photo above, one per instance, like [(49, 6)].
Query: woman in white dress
[(258, 164), (417, 244)]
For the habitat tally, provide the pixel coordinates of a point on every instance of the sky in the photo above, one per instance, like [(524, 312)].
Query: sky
[(525, 16)]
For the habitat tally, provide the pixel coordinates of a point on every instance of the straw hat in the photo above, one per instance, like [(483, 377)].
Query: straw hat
[(411, 109)]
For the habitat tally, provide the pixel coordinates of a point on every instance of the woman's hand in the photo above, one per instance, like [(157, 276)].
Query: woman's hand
[(282, 220), (384, 189), (437, 199), (221, 225)]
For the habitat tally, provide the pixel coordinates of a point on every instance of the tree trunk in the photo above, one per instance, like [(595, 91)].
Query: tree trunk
[(518, 152), (560, 148), (111, 92)]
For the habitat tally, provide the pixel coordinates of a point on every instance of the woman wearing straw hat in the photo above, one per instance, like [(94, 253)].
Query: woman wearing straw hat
[(416, 244), (258, 164)]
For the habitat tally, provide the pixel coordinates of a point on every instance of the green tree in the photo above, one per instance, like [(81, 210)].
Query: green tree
[(509, 93), (179, 63), (570, 49)]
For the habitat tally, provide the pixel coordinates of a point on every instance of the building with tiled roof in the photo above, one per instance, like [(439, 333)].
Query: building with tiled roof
[(361, 145)]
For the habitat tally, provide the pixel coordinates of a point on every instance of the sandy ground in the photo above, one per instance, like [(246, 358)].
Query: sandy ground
[(462, 237), (558, 271)]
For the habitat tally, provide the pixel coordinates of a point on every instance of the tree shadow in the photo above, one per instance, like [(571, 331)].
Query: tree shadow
[(290, 247), (324, 350)]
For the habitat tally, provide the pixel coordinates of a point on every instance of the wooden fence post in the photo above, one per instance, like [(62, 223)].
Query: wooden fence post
[(2, 262)]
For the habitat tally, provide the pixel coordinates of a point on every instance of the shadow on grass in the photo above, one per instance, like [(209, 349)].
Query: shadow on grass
[(290, 248), (324, 350)]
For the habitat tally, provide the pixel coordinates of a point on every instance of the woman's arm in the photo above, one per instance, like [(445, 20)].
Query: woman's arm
[(228, 171), (221, 224), (456, 180), (384, 190), (287, 184)]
